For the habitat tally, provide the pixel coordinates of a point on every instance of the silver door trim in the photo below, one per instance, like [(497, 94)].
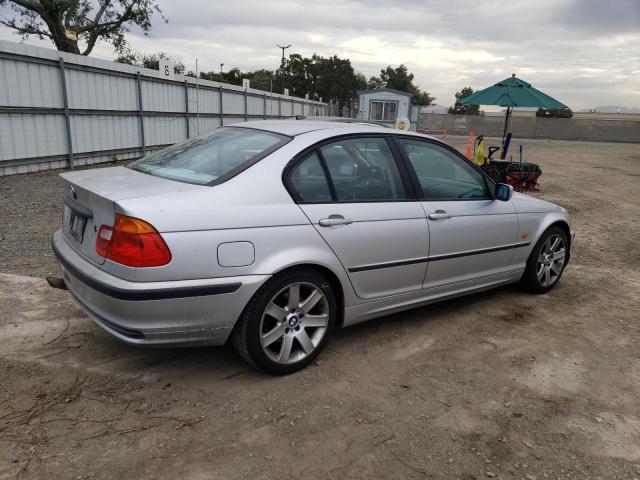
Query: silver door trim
[(435, 258)]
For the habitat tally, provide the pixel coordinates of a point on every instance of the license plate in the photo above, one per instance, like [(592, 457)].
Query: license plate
[(76, 226)]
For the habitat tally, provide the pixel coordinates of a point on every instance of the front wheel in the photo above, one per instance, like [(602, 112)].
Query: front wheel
[(547, 261), (287, 323)]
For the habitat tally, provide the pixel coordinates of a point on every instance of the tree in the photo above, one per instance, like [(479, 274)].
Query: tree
[(233, 76), (554, 112), (330, 78), (67, 22), (150, 61), (400, 79), (464, 109), (262, 79)]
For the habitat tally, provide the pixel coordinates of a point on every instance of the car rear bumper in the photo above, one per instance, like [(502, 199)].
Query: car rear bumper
[(201, 311)]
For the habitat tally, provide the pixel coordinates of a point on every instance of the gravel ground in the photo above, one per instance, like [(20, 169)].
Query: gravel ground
[(31, 210), (496, 385)]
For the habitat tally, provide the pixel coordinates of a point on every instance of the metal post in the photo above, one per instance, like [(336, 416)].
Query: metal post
[(279, 107), (186, 106), (67, 119), (245, 107), (265, 105), (221, 113), (293, 107), (504, 132), (140, 113)]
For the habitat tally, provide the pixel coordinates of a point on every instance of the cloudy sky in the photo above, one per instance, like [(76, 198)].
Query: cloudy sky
[(585, 53)]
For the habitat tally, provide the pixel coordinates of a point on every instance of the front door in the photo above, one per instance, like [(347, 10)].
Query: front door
[(472, 236), (353, 193)]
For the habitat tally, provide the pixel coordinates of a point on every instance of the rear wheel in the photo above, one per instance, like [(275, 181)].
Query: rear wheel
[(547, 261), (288, 322)]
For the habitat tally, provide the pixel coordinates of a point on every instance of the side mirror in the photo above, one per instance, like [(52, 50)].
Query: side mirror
[(503, 192)]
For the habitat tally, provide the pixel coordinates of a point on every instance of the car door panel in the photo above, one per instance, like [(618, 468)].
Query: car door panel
[(477, 240), (471, 235), (383, 249), (379, 235)]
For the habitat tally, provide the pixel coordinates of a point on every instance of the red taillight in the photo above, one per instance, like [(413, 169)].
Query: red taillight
[(132, 242)]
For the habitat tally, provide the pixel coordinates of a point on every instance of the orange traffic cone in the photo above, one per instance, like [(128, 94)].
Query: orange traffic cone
[(469, 145)]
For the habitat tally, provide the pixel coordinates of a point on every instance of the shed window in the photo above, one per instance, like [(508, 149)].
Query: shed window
[(386, 111)]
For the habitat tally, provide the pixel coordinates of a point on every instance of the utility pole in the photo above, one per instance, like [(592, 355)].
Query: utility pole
[(282, 64), (221, 65)]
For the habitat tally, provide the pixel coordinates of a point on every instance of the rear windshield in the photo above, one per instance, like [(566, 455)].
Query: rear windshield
[(212, 158)]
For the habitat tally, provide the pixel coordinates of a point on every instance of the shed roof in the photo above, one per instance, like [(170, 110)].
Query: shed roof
[(390, 90)]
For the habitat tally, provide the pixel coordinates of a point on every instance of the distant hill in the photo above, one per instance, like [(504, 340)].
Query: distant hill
[(611, 109), (435, 109)]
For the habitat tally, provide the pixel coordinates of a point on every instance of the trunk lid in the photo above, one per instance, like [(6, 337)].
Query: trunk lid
[(91, 197)]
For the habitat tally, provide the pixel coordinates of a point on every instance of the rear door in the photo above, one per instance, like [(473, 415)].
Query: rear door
[(360, 201), (472, 236)]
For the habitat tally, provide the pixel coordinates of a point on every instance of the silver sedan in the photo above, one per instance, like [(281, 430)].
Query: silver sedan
[(271, 234)]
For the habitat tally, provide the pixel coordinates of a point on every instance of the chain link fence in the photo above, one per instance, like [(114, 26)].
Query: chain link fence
[(580, 129)]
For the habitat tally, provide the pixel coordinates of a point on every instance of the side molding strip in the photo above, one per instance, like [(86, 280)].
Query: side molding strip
[(435, 258)]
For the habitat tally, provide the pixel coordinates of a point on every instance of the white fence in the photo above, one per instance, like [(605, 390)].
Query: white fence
[(59, 109)]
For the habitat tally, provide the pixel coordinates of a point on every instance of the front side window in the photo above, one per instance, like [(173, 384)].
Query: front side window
[(363, 169), (442, 174), (211, 158), (384, 111)]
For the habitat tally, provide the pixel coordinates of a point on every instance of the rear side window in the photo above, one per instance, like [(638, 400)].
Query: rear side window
[(363, 169), (308, 182), (212, 158)]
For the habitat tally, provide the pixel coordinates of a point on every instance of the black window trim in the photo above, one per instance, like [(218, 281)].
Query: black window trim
[(489, 183), (236, 170), (407, 183)]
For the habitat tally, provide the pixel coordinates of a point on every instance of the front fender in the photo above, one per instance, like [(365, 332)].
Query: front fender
[(532, 225)]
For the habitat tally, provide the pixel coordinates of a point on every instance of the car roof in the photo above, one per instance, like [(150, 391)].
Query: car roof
[(292, 127)]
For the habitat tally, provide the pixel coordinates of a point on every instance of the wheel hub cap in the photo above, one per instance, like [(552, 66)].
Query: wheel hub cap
[(293, 320)]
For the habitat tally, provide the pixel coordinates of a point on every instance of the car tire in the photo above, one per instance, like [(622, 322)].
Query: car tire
[(547, 261), (280, 333)]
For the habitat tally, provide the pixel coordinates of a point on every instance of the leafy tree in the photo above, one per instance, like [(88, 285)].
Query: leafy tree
[(464, 109), (262, 79), (554, 112), (330, 78), (400, 79), (150, 61), (67, 22)]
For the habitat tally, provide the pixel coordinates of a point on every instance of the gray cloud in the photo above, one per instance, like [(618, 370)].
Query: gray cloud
[(584, 52)]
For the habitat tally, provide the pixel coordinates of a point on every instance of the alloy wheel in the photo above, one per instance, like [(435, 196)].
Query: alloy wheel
[(294, 322), (550, 260)]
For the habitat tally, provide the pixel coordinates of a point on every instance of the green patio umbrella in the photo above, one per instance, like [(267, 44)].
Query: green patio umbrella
[(511, 92)]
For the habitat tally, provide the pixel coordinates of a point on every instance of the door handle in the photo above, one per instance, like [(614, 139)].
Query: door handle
[(334, 220), (439, 215)]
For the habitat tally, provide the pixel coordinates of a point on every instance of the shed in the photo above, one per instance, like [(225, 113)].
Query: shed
[(387, 105)]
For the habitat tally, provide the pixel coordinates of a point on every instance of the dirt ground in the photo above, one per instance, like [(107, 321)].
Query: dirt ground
[(496, 385)]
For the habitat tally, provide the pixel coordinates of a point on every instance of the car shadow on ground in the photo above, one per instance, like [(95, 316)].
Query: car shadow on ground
[(223, 363)]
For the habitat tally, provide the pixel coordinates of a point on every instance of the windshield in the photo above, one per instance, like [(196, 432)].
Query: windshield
[(212, 158)]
